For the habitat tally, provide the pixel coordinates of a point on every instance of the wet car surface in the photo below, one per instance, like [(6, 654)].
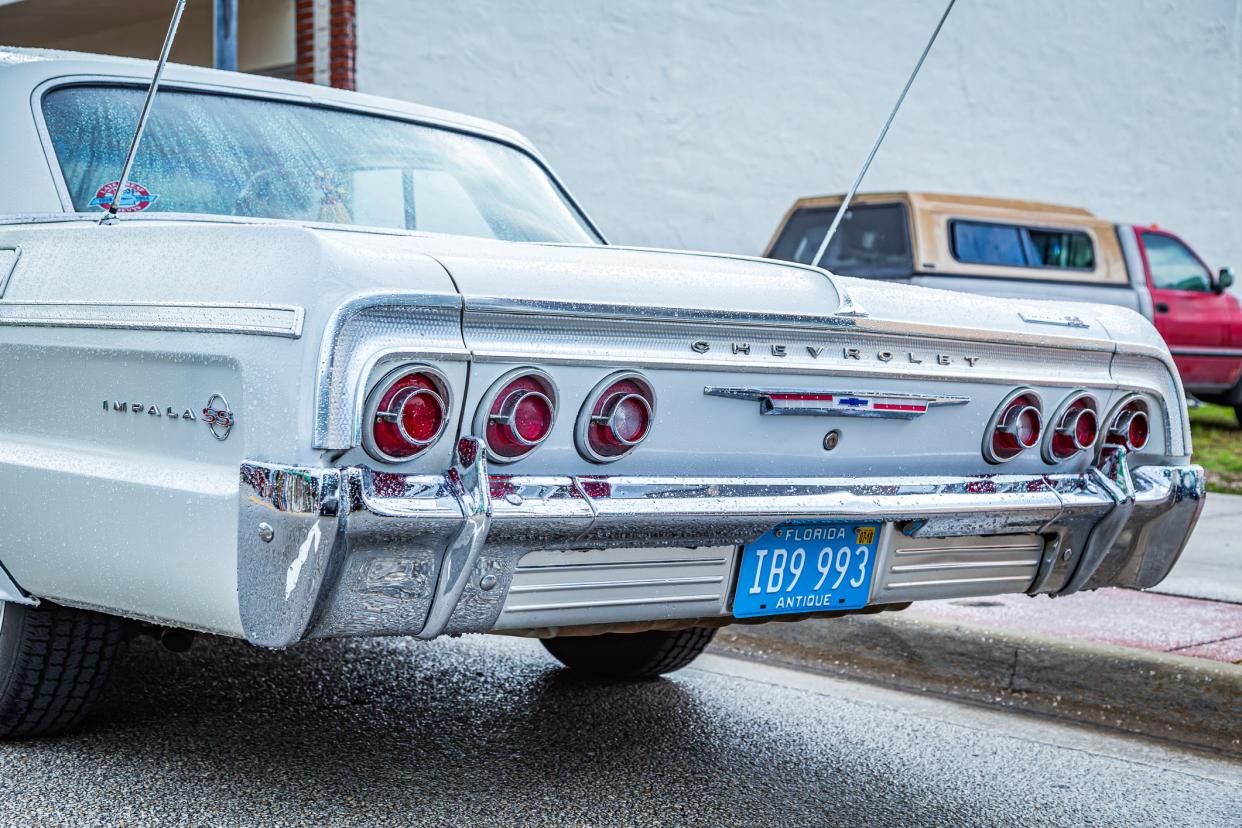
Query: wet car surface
[(490, 731)]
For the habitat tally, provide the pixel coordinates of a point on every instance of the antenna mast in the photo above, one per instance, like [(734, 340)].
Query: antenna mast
[(122, 181), (845, 203)]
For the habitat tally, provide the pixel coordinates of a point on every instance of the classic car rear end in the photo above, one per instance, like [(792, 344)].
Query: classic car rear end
[(311, 417)]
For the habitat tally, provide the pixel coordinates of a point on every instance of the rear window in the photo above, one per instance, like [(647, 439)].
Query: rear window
[(873, 240), (1012, 245), (239, 156)]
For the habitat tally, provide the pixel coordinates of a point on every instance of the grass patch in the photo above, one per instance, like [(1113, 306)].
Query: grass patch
[(1218, 447)]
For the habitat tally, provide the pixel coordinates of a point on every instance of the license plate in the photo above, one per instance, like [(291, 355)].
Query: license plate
[(807, 566)]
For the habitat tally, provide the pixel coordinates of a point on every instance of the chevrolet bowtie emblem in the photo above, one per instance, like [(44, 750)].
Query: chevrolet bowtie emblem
[(811, 402)]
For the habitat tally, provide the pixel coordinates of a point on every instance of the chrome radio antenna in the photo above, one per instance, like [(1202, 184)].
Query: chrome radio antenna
[(849, 195), (123, 180)]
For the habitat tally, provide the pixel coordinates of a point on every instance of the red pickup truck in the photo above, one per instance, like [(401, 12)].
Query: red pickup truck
[(1025, 249)]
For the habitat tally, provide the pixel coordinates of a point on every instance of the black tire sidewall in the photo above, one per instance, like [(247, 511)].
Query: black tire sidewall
[(12, 625)]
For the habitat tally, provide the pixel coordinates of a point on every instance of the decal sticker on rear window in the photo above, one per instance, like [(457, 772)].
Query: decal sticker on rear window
[(135, 198)]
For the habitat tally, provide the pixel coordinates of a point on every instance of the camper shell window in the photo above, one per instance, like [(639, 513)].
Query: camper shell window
[(873, 240), (1012, 245)]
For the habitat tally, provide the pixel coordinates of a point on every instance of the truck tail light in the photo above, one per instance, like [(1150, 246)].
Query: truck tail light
[(1015, 427), (618, 415), (516, 414), (1129, 426), (1075, 427), (407, 411)]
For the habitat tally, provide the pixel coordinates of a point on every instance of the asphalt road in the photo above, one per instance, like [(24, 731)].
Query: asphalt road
[(488, 731)]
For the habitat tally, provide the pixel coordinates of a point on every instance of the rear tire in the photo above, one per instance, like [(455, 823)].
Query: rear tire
[(631, 655), (1237, 413), (54, 661)]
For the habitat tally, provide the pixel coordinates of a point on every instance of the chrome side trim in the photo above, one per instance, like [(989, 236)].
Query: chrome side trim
[(256, 320), (369, 327), (9, 256)]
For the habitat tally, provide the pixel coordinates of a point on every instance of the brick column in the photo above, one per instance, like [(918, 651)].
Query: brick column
[(344, 44), (326, 42)]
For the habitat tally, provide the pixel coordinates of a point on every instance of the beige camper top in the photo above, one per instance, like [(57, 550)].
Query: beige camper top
[(929, 215)]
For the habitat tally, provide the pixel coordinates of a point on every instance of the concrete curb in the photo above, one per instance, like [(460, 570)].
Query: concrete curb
[(1189, 700)]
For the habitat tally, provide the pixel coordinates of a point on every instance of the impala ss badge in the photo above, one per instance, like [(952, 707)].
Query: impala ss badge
[(217, 414), (810, 402), (702, 346), (219, 417)]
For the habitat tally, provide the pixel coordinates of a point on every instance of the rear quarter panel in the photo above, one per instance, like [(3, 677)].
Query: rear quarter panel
[(136, 513)]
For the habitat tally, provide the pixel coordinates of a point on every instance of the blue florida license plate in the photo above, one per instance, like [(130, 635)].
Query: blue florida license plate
[(808, 566)]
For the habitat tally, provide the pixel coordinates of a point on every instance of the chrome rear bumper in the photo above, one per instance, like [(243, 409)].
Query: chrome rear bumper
[(352, 551)]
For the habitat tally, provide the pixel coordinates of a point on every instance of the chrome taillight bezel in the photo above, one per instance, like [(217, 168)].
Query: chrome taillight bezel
[(1132, 404), (1034, 402), (376, 396), (484, 415), (1064, 423), (587, 415)]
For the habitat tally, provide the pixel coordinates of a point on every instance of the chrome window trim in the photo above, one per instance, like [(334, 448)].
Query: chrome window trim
[(200, 317), (66, 200)]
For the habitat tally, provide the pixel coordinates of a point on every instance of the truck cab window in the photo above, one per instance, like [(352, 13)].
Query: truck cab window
[(1173, 266)]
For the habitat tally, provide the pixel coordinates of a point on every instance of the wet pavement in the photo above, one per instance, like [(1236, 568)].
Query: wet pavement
[(1121, 617), (489, 731)]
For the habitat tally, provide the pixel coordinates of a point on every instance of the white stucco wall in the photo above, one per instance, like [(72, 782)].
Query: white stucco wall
[(685, 123)]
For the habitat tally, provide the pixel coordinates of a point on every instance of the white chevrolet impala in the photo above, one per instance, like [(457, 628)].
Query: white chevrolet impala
[(334, 365)]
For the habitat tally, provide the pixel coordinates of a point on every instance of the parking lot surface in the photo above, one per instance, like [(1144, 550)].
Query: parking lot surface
[(489, 731)]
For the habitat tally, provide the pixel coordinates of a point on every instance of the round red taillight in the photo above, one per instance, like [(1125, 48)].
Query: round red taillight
[(406, 412), (1015, 427), (1130, 424), (516, 414), (1075, 427), (617, 416)]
